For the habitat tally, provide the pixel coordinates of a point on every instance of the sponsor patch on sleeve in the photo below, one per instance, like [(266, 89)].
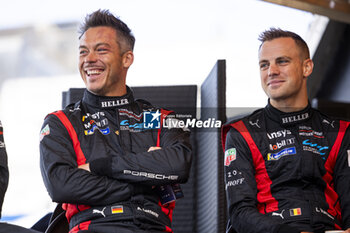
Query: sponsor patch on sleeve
[(45, 131), (117, 209), (230, 155), (295, 212), (349, 158)]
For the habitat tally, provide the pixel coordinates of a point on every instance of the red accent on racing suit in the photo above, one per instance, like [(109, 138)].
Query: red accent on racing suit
[(287, 172), (123, 174)]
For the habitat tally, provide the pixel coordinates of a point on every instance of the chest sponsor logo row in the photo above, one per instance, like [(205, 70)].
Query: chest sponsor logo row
[(282, 143), (280, 154), (314, 147), (277, 134), (307, 131)]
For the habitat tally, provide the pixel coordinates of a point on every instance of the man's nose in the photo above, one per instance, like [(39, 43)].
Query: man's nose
[(273, 70), (90, 57)]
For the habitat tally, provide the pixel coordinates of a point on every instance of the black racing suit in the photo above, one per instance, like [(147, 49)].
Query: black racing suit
[(4, 172), (121, 188), (287, 172)]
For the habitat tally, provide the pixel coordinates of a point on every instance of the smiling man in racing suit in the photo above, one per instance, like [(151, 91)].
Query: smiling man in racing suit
[(98, 158), (287, 166)]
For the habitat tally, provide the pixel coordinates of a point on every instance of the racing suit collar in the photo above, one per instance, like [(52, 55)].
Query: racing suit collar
[(289, 118), (106, 102)]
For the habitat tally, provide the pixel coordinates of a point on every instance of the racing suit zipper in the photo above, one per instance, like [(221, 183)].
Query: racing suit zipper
[(123, 135), (117, 130)]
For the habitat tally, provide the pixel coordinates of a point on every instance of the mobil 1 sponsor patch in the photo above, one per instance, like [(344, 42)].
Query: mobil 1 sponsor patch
[(280, 154)]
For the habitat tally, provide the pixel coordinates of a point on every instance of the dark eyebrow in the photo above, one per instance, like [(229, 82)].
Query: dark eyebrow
[(97, 45), (82, 47), (284, 57), (261, 61), (278, 58), (100, 44)]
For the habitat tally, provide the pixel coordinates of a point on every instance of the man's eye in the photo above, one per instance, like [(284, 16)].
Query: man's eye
[(101, 50), (283, 61), (82, 52), (263, 66)]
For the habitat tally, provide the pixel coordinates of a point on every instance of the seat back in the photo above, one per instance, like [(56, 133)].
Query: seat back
[(58, 222)]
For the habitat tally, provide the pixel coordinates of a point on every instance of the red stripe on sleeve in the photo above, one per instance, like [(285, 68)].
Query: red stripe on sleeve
[(263, 180), (224, 132), (76, 144), (331, 195), (168, 229), (167, 208), (164, 114), (81, 227), (72, 209)]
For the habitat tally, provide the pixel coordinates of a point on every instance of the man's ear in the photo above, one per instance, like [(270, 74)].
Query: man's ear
[(308, 66), (128, 59)]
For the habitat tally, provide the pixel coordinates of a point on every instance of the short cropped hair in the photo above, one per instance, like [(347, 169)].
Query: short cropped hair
[(126, 39), (274, 33)]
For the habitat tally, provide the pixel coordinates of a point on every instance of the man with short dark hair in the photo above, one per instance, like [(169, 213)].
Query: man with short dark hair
[(111, 173), (287, 166)]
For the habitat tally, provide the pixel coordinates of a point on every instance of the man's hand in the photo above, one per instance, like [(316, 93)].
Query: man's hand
[(346, 231), (85, 166), (152, 148)]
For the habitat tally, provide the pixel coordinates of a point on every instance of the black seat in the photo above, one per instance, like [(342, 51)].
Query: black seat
[(58, 222)]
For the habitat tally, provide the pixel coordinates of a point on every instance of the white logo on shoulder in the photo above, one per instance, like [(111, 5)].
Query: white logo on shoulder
[(327, 122), (95, 211), (278, 214), (349, 158), (255, 123)]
